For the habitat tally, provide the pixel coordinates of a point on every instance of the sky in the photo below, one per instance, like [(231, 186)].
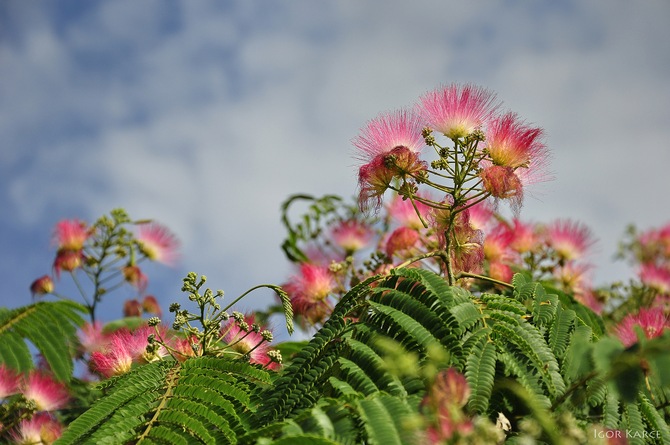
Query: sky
[(207, 115)]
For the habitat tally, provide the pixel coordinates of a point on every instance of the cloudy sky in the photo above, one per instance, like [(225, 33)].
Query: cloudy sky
[(206, 115)]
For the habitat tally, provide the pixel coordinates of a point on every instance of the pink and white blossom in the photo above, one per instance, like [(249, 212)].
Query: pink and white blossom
[(457, 110), (652, 321), (158, 243), (45, 391)]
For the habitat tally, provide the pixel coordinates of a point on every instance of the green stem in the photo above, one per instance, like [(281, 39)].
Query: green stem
[(484, 278)]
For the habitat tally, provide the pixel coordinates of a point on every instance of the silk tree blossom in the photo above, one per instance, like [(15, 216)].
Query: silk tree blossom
[(501, 271), (573, 276), (589, 298), (123, 350), (243, 338), (309, 291), (47, 393), (92, 338), (158, 243), (41, 429), (511, 143), (655, 277), (481, 215), (502, 183), (570, 240), (9, 381), (71, 234), (402, 212), (446, 398), (401, 241), (652, 321), (457, 110), (42, 286), (388, 131), (68, 261), (150, 305), (497, 244), (524, 237), (389, 147), (135, 277), (352, 235), (653, 245), (467, 251), (114, 359)]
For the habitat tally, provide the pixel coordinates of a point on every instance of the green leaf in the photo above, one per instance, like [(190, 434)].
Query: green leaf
[(480, 374), (379, 416), (50, 326)]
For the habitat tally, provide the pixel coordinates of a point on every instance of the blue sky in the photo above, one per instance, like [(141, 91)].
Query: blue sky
[(206, 115)]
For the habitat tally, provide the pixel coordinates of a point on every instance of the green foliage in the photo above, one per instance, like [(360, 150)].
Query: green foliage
[(310, 225), (528, 354), (205, 400), (50, 326)]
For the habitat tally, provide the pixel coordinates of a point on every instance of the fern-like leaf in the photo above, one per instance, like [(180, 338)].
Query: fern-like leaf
[(203, 400), (379, 415), (560, 329), (50, 326), (480, 374)]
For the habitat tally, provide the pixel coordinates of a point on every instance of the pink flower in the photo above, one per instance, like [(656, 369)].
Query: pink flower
[(132, 308), (457, 111), (588, 298), (447, 396), (655, 277), (496, 244), (68, 261), (42, 286), (652, 321), (502, 183), (9, 381), (450, 387), (116, 358), (481, 215), (151, 306), (92, 338), (158, 243), (467, 242), (387, 132), (401, 240), (375, 177), (510, 143), (351, 235), (501, 271), (248, 341), (309, 291), (71, 234), (573, 276), (389, 146), (402, 211), (42, 428), (135, 277), (570, 240), (47, 393), (524, 237), (654, 245)]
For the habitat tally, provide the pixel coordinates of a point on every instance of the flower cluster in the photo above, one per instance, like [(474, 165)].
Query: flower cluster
[(353, 246), (108, 254), (489, 154), (31, 399), (648, 308)]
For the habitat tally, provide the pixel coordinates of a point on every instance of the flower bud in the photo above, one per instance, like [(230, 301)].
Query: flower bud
[(151, 306), (68, 260), (42, 286), (132, 308)]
